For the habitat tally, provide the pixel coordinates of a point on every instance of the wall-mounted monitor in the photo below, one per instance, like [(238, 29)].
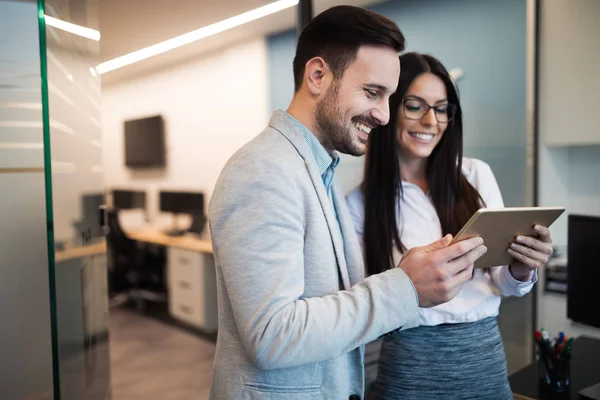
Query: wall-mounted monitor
[(145, 143)]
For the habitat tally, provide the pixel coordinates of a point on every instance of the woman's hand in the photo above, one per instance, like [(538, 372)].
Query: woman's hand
[(530, 253)]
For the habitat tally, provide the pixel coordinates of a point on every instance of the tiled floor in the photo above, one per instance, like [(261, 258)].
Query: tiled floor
[(154, 361)]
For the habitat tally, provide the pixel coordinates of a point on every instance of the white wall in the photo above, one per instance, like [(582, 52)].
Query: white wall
[(211, 107), (568, 176)]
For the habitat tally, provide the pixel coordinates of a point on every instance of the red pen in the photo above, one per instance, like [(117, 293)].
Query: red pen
[(559, 349)]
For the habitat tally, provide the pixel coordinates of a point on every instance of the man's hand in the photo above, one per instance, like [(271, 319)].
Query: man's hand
[(438, 270), (530, 253)]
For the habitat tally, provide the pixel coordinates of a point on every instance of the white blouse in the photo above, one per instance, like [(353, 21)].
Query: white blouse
[(419, 225)]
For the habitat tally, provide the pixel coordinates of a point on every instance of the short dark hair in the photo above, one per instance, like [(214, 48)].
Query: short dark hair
[(336, 35)]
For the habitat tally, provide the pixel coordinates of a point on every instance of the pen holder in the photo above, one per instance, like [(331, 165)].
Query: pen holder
[(555, 376)]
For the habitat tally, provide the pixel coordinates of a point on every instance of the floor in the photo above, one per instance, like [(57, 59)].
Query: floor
[(152, 360)]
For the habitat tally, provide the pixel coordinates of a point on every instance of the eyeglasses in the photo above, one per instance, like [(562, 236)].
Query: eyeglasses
[(416, 109)]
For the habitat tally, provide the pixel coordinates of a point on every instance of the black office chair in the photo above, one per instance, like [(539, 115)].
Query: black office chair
[(135, 273)]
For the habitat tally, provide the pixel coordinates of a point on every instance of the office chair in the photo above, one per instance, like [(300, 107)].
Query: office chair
[(134, 272)]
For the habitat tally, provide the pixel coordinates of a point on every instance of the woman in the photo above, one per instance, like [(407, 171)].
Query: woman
[(418, 187)]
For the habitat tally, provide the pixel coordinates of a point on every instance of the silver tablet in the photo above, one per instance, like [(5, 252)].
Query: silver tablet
[(499, 226)]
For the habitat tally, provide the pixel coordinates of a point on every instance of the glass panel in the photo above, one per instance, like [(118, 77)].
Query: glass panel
[(25, 335), (75, 152)]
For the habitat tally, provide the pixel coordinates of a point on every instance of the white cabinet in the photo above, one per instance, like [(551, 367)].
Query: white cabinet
[(192, 288), (568, 72)]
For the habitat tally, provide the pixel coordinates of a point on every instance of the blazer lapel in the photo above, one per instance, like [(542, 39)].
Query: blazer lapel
[(286, 127)]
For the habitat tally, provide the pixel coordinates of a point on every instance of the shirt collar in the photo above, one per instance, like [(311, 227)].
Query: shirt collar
[(323, 159)]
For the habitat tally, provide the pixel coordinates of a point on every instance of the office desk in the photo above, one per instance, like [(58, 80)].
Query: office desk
[(80, 251), (81, 296), (585, 371), (154, 235), (191, 277)]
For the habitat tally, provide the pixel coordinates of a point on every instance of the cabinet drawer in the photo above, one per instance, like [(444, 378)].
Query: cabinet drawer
[(185, 312), (189, 297), (184, 257), (184, 269), (181, 285), (192, 288)]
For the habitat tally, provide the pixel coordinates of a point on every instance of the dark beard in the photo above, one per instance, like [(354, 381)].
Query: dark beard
[(329, 120)]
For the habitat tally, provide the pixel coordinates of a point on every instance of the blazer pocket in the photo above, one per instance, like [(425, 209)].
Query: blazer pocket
[(263, 391)]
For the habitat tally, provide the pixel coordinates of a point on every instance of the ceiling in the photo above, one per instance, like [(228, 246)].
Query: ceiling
[(129, 25)]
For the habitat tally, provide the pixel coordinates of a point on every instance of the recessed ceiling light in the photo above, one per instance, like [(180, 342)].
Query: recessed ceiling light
[(193, 36), (72, 28)]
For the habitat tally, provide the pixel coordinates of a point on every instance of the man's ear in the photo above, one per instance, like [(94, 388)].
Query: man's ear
[(317, 76)]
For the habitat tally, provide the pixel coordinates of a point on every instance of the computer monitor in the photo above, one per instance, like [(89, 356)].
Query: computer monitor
[(583, 263), (583, 302), (91, 214), (128, 199), (182, 202), (191, 203)]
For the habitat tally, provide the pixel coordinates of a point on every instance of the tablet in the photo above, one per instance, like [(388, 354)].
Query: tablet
[(499, 226)]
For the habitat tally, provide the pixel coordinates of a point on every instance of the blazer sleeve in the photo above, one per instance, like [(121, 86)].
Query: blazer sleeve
[(258, 223)]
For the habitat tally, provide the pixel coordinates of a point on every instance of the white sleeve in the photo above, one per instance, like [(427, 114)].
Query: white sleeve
[(355, 201), (356, 206), (490, 193)]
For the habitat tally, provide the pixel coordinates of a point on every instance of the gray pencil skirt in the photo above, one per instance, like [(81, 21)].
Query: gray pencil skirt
[(450, 361)]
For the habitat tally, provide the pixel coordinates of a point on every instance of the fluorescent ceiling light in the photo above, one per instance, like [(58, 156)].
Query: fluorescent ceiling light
[(193, 36), (72, 28)]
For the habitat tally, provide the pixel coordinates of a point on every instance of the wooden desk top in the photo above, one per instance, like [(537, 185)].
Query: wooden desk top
[(189, 241), (80, 251)]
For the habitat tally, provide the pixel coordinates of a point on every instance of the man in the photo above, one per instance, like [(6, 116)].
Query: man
[(294, 307)]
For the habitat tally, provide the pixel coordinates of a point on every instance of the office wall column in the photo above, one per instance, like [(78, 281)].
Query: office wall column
[(533, 18), (304, 14)]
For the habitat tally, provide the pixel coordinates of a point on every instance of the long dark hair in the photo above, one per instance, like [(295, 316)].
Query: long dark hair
[(454, 198)]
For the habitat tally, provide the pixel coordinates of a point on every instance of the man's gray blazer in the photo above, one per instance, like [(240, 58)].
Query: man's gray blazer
[(294, 307)]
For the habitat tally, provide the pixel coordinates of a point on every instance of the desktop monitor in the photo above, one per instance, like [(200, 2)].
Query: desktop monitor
[(583, 302), (91, 214), (128, 199), (182, 202)]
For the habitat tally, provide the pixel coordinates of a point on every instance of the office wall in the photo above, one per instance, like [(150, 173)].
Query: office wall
[(487, 40), (568, 175), (211, 107)]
